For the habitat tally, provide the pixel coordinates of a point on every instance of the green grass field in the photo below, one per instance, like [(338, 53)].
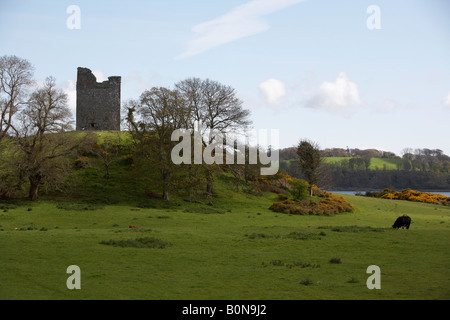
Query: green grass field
[(375, 163), (237, 249)]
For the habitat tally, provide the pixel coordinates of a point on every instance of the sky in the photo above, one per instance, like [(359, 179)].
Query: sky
[(351, 73)]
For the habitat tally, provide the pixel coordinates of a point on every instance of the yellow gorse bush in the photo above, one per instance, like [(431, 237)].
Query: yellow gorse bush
[(412, 195), (327, 205)]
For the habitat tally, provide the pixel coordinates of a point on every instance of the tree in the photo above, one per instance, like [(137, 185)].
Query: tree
[(367, 161), (310, 162), (16, 75), (107, 151), (11, 180), (42, 146), (215, 107), (406, 163), (161, 111)]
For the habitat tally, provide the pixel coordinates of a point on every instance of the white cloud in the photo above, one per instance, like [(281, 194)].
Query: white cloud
[(446, 101), (243, 21), (138, 81), (100, 75), (273, 91), (339, 95), (70, 89)]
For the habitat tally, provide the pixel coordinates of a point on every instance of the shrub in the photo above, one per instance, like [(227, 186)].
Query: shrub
[(282, 197), (8, 206), (129, 160), (353, 280), (411, 195), (299, 189), (303, 236), (327, 205), (301, 264), (306, 282), (277, 263), (257, 235), (81, 162), (335, 260), (146, 242)]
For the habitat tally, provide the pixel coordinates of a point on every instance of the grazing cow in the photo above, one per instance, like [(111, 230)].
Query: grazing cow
[(402, 222)]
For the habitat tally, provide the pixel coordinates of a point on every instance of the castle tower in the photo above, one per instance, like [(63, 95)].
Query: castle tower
[(98, 103)]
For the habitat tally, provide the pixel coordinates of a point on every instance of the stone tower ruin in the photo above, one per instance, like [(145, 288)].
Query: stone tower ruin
[(98, 103)]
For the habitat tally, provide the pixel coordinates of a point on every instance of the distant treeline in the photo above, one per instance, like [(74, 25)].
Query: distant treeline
[(418, 169)]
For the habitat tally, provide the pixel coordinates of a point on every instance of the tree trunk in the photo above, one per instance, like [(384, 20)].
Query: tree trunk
[(34, 188), (165, 174), (209, 183), (107, 172)]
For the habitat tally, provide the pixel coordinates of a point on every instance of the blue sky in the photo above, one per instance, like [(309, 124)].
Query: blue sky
[(312, 68)]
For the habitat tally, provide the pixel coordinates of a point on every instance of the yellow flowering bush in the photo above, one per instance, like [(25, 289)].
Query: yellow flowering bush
[(411, 195), (129, 159), (81, 162), (327, 205)]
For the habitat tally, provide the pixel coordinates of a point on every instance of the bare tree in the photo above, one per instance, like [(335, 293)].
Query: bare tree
[(160, 111), (40, 137), (214, 106), (16, 75)]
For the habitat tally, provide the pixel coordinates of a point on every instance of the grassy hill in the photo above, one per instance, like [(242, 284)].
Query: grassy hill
[(235, 249), (375, 163)]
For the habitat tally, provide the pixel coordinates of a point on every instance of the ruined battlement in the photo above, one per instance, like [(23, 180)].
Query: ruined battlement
[(98, 103)]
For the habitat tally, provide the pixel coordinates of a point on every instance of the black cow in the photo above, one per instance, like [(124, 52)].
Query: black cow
[(402, 222)]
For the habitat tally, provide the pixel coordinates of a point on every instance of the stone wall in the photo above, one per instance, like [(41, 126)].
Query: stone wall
[(98, 103)]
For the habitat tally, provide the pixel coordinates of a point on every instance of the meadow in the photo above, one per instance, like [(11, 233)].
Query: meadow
[(235, 249), (375, 163)]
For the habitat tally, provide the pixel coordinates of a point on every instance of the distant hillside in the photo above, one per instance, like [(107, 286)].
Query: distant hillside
[(290, 153), (375, 163), (421, 169)]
